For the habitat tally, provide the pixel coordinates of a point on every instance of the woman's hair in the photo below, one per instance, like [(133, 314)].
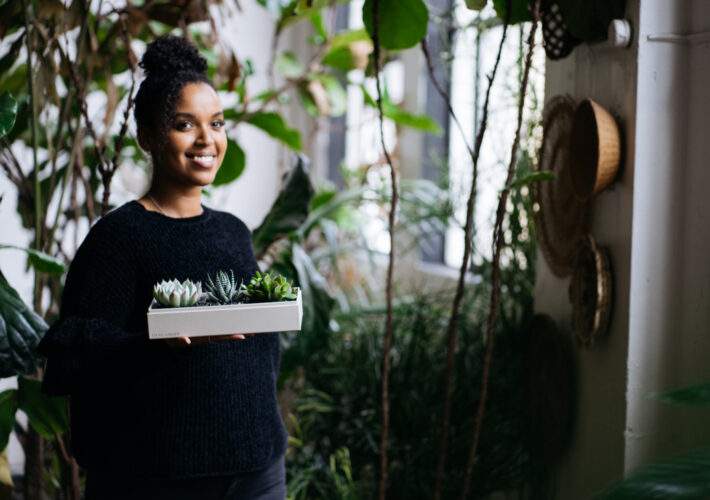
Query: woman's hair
[(169, 63)]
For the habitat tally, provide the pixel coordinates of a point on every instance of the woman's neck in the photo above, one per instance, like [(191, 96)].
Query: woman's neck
[(174, 203)]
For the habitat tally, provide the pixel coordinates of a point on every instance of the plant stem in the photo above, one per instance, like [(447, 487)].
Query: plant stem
[(451, 329), (387, 344), (498, 240), (33, 130)]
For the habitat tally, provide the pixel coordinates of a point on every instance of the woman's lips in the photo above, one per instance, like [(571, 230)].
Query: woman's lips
[(202, 161)]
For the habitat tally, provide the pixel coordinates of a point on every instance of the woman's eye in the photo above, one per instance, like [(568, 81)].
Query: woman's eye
[(184, 125)]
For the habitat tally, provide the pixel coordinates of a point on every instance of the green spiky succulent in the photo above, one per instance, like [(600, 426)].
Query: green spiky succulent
[(175, 294), (224, 289), (265, 287)]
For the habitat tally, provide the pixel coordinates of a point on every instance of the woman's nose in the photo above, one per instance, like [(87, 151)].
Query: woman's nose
[(204, 135)]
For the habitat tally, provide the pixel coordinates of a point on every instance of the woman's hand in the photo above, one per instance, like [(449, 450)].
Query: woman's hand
[(185, 341)]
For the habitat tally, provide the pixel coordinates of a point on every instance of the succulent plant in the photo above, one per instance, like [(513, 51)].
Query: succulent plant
[(175, 294), (265, 287), (223, 289)]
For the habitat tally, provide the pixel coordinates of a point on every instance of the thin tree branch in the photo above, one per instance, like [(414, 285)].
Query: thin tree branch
[(33, 129), (388, 340), (498, 240), (451, 329)]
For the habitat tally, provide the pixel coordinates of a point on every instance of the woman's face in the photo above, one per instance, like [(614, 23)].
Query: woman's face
[(196, 140)]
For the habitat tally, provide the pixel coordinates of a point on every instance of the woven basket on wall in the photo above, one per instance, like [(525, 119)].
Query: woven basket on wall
[(590, 291), (561, 217)]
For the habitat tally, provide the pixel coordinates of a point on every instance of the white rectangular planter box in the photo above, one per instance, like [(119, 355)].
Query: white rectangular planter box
[(196, 321)]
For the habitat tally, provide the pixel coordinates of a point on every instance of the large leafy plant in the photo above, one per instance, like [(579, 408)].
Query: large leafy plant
[(302, 236), (680, 477)]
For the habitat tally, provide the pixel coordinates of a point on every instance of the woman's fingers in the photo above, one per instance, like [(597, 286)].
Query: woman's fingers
[(184, 341)]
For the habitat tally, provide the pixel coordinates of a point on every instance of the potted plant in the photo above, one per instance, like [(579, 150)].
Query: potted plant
[(267, 303)]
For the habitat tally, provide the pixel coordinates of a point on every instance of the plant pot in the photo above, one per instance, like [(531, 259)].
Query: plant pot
[(595, 149), (197, 321)]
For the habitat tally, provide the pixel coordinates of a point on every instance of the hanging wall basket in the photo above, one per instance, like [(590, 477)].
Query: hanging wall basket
[(590, 291), (562, 218), (557, 39), (595, 147)]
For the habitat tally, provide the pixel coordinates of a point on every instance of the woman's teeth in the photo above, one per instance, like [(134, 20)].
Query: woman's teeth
[(203, 161)]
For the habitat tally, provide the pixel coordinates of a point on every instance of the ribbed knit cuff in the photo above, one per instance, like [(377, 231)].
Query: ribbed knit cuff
[(76, 349)]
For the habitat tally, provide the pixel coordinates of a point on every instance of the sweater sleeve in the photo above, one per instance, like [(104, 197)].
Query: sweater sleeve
[(94, 324)]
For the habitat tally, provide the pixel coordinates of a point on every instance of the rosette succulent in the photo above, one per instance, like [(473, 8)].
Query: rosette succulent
[(223, 289), (265, 287), (175, 294)]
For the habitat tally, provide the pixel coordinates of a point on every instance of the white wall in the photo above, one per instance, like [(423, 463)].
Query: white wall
[(608, 76), (670, 286), (654, 221)]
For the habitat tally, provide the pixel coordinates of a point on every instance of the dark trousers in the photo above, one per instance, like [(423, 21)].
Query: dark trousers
[(265, 484)]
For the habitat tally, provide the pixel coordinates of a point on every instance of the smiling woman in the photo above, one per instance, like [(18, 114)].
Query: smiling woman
[(180, 122), (187, 419)]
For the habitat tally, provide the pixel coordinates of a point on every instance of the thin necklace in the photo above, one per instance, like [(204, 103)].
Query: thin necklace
[(156, 204)]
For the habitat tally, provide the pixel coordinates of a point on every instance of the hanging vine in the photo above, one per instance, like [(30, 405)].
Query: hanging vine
[(451, 332), (388, 339), (497, 246)]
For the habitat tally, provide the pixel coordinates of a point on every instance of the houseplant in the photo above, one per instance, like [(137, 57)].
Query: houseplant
[(267, 303)]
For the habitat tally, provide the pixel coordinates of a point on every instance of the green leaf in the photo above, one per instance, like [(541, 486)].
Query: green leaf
[(696, 395), (317, 301), (22, 121), (307, 101), (288, 65), (685, 476), (339, 58), (8, 112), (307, 6), (48, 415), (339, 54), (20, 331), (519, 12), (403, 23), (40, 260), (289, 210), (476, 4), (274, 125), (232, 165), (327, 209), (337, 97), (399, 115), (8, 408), (420, 122), (345, 38), (321, 33), (526, 180)]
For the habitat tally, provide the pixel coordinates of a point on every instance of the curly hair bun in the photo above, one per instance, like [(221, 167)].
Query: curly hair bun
[(169, 54)]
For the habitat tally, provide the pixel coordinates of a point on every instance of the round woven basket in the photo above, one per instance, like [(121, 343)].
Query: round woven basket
[(595, 147), (590, 291), (561, 218)]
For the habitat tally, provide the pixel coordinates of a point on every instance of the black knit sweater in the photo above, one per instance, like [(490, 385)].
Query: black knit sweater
[(140, 407)]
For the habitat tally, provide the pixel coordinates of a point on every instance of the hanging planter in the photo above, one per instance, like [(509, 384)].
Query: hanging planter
[(265, 304)]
